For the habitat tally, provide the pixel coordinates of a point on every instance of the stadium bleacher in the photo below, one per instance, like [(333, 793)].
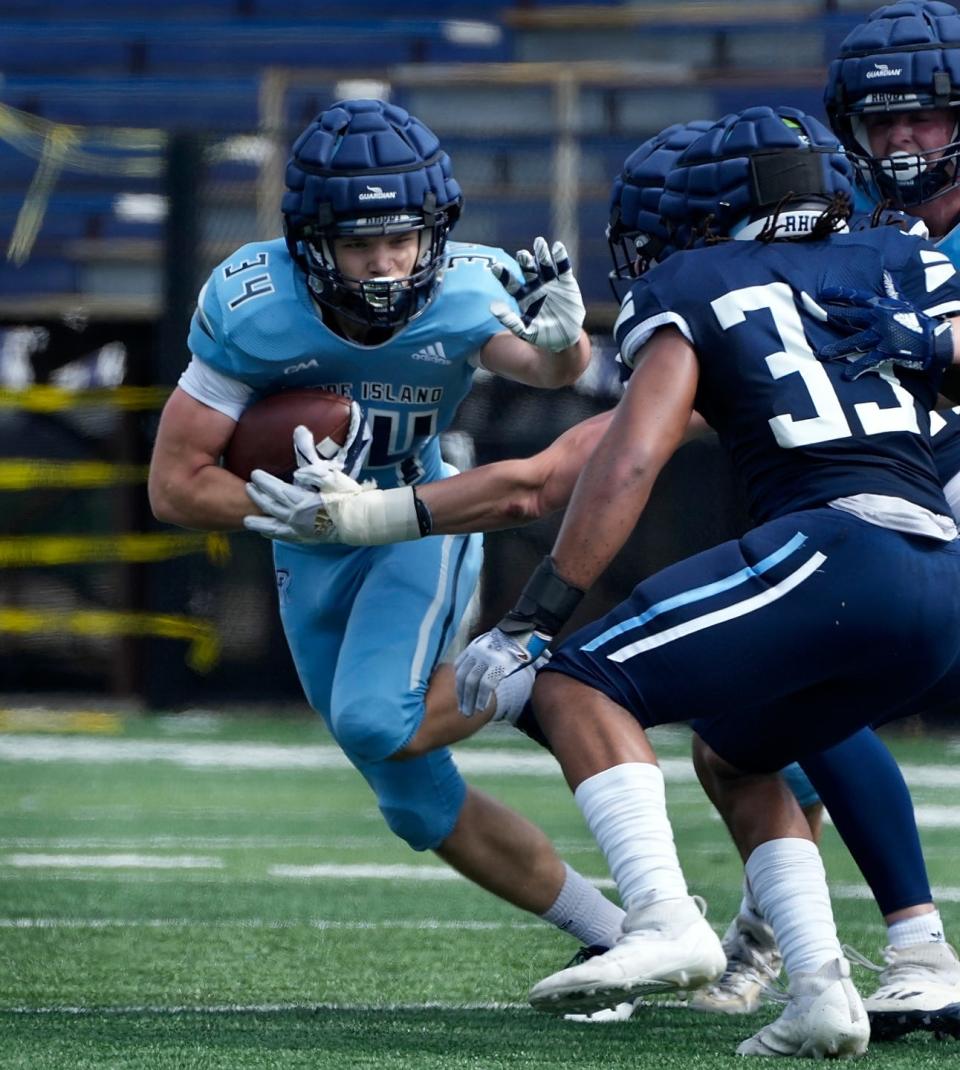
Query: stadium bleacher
[(113, 65)]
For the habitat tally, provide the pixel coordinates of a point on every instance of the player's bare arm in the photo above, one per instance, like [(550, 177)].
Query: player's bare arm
[(513, 492), (612, 492), (512, 358), (186, 485), (499, 495)]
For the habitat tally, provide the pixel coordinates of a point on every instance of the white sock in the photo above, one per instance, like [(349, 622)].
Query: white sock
[(748, 905), (585, 912), (921, 929), (625, 809), (790, 888)]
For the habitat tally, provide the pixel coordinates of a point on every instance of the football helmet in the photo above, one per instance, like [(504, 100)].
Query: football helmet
[(636, 234), (759, 173), (367, 168), (905, 57)]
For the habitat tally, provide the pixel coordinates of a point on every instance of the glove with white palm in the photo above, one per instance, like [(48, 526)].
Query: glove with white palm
[(551, 307), (290, 513), (297, 512), (325, 505), (348, 458), (489, 660), (520, 639)]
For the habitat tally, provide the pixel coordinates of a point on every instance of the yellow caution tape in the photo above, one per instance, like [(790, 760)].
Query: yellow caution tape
[(202, 655), (59, 399), (22, 551), (42, 719), (24, 473)]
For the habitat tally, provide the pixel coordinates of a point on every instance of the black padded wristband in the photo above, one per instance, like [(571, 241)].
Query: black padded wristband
[(424, 516), (546, 604)]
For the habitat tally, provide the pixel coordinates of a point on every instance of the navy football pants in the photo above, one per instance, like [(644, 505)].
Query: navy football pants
[(782, 643)]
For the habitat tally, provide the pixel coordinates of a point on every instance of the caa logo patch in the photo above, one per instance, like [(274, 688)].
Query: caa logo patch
[(303, 366)]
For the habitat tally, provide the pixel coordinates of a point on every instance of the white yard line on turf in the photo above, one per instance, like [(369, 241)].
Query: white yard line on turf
[(202, 754), (111, 861), (199, 754), (269, 1008), (424, 925), (361, 871), (941, 894)]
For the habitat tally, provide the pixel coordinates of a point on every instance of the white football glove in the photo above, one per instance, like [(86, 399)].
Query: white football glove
[(348, 458), (324, 505), (482, 667), (291, 513), (551, 308)]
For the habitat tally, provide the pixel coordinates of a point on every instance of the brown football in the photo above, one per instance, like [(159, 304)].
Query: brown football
[(263, 437)]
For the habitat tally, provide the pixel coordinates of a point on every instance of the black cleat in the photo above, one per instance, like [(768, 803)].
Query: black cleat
[(890, 1025)]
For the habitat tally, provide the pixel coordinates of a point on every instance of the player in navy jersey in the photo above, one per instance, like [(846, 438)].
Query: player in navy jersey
[(366, 296), (768, 643), (892, 98), (887, 102)]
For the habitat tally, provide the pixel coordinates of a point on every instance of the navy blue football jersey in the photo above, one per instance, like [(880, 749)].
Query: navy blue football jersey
[(798, 432), (946, 442), (945, 425)]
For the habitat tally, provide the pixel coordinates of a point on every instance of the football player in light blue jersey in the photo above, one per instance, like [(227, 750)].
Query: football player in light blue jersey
[(365, 296)]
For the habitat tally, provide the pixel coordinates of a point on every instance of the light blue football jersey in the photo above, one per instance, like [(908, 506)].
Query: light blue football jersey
[(257, 322)]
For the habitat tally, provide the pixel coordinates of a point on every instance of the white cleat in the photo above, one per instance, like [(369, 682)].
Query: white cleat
[(753, 962), (824, 1018), (664, 947), (623, 1012), (919, 989)]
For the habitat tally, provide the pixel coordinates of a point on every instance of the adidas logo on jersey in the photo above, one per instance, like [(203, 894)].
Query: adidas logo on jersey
[(378, 193), (432, 353)]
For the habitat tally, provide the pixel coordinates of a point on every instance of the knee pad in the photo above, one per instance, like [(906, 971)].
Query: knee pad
[(423, 830), (420, 799)]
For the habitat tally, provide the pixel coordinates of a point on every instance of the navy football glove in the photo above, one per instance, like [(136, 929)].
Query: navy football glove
[(885, 329)]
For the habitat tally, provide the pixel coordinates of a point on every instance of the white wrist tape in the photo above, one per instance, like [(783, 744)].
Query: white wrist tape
[(374, 517)]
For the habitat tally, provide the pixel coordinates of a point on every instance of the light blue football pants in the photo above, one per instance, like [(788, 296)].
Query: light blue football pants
[(366, 627)]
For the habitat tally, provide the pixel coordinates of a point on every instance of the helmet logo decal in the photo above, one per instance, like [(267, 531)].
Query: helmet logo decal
[(884, 70), (903, 99), (377, 193)]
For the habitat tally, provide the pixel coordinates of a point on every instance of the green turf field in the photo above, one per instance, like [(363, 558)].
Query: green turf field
[(217, 892)]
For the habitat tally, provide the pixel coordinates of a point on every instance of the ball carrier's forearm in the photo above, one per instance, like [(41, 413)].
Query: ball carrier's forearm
[(186, 485), (212, 500)]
